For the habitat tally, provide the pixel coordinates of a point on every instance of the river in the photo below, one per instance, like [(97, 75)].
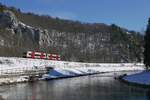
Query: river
[(95, 87)]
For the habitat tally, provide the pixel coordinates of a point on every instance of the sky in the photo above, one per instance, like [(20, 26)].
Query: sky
[(130, 14)]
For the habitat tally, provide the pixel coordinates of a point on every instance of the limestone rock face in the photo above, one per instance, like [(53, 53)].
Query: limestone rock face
[(44, 38), (19, 36), (8, 19), (35, 36)]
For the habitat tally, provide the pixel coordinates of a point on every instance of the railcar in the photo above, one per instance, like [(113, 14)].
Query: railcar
[(41, 55)]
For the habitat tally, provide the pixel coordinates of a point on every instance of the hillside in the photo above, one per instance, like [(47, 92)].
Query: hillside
[(73, 40)]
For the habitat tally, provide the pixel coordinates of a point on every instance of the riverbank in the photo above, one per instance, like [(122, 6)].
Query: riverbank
[(140, 79), (13, 69), (100, 86)]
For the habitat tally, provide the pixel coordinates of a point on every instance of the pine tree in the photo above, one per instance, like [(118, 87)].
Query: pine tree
[(147, 46)]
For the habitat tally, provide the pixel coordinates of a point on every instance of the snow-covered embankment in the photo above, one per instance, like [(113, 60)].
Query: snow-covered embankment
[(13, 65), (142, 78)]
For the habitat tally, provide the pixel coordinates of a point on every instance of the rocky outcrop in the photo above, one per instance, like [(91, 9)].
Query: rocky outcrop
[(23, 35), (8, 19)]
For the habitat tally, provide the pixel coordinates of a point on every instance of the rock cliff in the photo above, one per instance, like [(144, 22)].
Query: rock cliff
[(113, 45)]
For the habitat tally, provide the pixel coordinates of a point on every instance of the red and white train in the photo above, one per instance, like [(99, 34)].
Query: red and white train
[(41, 55)]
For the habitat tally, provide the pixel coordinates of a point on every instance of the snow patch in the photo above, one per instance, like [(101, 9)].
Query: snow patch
[(139, 78)]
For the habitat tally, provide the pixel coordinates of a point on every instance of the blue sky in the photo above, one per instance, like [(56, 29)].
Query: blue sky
[(130, 14)]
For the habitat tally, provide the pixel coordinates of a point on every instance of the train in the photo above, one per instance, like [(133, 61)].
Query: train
[(41, 55)]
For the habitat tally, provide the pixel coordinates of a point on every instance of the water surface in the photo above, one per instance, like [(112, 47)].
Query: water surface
[(95, 87)]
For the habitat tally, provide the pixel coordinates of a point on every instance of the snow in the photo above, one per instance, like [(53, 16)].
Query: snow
[(13, 65), (10, 80), (67, 72), (128, 32), (24, 25), (142, 78), (77, 71)]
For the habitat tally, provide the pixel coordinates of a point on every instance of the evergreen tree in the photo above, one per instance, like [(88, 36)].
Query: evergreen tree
[(147, 46)]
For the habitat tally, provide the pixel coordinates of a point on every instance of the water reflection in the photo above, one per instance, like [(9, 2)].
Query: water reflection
[(97, 87), (148, 95)]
